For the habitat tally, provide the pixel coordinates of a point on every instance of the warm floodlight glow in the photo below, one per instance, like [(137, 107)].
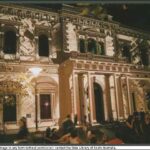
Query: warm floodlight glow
[(35, 71)]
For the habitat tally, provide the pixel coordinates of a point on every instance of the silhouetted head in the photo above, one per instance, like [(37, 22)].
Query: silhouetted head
[(130, 118), (74, 133), (22, 122), (68, 116)]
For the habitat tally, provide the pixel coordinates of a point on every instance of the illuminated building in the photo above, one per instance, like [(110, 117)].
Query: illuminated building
[(89, 67)]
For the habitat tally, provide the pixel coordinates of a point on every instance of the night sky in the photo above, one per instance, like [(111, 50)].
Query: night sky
[(134, 15)]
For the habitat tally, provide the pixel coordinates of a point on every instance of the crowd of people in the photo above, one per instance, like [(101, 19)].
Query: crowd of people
[(136, 129)]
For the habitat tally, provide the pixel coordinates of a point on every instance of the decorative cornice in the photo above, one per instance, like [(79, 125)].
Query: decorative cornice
[(132, 32), (95, 23), (107, 67), (25, 12), (81, 20)]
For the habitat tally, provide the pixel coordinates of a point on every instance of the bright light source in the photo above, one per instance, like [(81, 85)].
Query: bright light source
[(46, 104), (35, 70)]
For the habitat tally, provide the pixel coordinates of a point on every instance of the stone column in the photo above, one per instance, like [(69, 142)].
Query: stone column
[(112, 97), (81, 97), (86, 44), (52, 103), (108, 99), (116, 97), (50, 48), (17, 46), (125, 97), (77, 100), (36, 48), (91, 99), (120, 98), (128, 94), (75, 93)]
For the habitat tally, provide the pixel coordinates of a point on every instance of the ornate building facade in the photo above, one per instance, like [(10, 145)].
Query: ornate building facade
[(94, 69)]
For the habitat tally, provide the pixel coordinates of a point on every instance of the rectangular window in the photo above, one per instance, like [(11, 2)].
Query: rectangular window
[(9, 108), (45, 106)]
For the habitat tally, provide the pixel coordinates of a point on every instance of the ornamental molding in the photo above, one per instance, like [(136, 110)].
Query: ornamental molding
[(94, 23), (132, 33), (5, 68), (86, 21), (26, 12), (6, 22)]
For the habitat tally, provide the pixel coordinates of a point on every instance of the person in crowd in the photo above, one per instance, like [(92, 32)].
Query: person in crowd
[(51, 135), (137, 128), (91, 136), (23, 133), (48, 132), (129, 134), (145, 127), (67, 124), (114, 141), (106, 136), (70, 138), (142, 115), (74, 138), (75, 119), (102, 138)]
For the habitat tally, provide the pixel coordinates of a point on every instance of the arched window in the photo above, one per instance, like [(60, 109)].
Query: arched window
[(126, 52), (10, 42), (92, 46), (82, 45), (45, 106), (100, 48), (144, 47), (145, 57), (43, 46)]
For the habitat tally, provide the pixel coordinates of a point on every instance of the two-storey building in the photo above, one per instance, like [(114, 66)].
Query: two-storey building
[(95, 69)]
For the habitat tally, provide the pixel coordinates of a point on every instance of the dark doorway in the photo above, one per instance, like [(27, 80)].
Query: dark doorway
[(99, 105)]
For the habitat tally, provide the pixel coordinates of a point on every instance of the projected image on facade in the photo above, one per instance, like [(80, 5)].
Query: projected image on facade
[(71, 71)]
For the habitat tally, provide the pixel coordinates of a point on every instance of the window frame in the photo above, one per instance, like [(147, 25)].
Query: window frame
[(10, 122), (95, 42), (13, 52), (48, 50), (14, 26), (45, 30), (82, 39), (51, 99)]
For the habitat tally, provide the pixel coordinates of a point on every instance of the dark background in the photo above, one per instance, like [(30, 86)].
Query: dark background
[(135, 15)]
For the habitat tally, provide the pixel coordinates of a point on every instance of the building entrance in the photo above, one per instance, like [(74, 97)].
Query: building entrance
[(99, 105)]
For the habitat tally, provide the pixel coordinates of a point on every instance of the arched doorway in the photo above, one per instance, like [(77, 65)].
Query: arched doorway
[(99, 105)]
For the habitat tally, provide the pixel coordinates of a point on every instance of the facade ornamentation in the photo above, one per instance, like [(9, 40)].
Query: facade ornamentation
[(90, 68)]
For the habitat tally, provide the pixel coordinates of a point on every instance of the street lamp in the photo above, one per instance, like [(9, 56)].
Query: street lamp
[(36, 71)]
